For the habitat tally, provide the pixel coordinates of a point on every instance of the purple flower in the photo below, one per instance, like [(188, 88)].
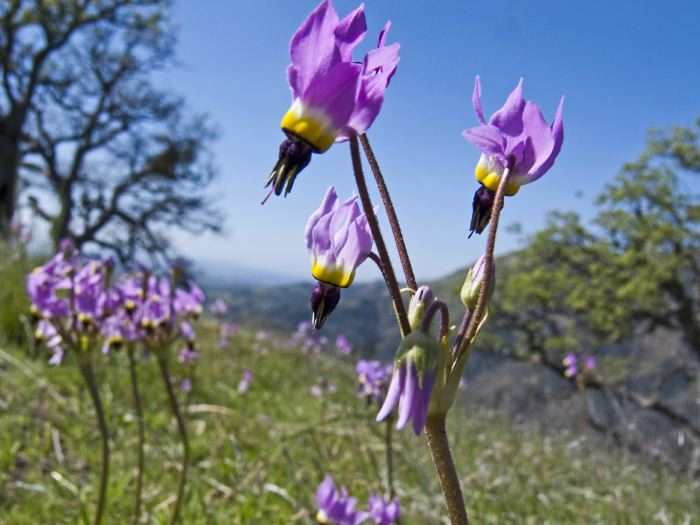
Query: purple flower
[(517, 137), (219, 308), (590, 363), (245, 382), (336, 507), (372, 377), (188, 355), (189, 303), (156, 307), (570, 361), (186, 385), (332, 96), (339, 239), (415, 369), (383, 512), (343, 345)]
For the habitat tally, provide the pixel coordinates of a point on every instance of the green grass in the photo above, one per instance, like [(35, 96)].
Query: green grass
[(257, 459)]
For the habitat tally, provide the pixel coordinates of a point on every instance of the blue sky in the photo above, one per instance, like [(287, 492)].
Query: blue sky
[(624, 67)]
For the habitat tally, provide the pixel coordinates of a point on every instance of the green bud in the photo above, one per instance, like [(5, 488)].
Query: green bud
[(420, 302), (472, 284)]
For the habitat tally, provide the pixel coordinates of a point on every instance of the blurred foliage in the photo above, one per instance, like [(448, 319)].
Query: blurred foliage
[(636, 267), (14, 266)]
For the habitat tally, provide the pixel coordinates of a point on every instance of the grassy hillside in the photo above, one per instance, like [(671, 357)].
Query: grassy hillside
[(258, 458)]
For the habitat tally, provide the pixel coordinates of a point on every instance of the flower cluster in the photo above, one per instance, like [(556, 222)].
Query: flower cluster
[(337, 508), (576, 365), (332, 96), (373, 377), (342, 345)]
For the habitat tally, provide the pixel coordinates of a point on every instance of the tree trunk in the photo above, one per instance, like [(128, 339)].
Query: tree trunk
[(9, 158)]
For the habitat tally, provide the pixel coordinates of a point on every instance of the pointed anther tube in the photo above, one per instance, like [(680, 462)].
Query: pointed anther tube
[(294, 156), (324, 299)]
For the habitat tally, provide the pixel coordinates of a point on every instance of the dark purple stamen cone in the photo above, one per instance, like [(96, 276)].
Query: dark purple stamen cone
[(295, 155), (324, 299), (481, 214)]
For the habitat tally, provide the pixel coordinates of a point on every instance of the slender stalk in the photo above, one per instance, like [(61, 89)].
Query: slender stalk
[(389, 457), (139, 421), (390, 212), (440, 449), (461, 332), (435, 306), (182, 429), (389, 274), (488, 263), (89, 375)]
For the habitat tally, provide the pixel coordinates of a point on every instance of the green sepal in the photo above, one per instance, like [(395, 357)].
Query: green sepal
[(422, 350)]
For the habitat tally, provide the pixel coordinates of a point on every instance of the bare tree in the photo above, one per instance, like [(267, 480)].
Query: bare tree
[(103, 155)]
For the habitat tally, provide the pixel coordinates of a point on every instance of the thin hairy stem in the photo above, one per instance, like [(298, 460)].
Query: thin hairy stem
[(461, 332), (437, 306), (89, 375), (389, 274), (182, 429), (440, 449), (388, 446), (136, 518), (390, 212), (488, 263)]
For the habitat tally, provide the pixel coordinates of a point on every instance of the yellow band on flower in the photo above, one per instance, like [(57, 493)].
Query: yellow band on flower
[(311, 126), (332, 275), (491, 178)]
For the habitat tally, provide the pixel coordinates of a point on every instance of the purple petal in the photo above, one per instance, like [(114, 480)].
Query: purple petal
[(358, 243), (476, 101), (488, 139), (335, 92), (325, 493), (408, 399), (509, 118), (420, 411), (327, 204), (350, 31), (396, 387), (538, 141), (312, 48), (342, 218), (558, 137)]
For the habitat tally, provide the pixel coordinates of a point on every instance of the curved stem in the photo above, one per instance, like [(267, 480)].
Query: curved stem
[(390, 212), (139, 421), (182, 429), (389, 275), (88, 374), (442, 458), (476, 316), (461, 332), (435, 306)]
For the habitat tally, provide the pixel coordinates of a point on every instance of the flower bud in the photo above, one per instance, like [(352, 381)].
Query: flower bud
[(472, 284), (419, 304)]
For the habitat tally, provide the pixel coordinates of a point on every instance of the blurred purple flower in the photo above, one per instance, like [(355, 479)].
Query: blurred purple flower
[(244, 384), (383, 512), (219, 308), (189, 303), (516, 137), (590, 362), (186, 385), (188, 355), (372, 377), (343, 345), (336, 507), (332, 96)]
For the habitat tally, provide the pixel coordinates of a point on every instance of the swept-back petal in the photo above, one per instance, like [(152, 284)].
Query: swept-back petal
[(476, 100), (350, 31), (396, 386), (358, 244), (312, 48), (509, 118), (327, 204), (334, 92), (558, 139), (489, 139), (420, 412)]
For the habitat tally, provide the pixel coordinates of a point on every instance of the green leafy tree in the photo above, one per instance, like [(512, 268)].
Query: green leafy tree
[(636, 268)]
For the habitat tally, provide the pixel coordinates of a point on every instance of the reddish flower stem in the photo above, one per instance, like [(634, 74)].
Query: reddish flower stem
[(390, 212), (388, 270)]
